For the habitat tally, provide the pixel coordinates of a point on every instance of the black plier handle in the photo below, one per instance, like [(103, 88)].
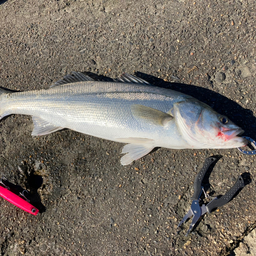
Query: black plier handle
[(195, 209), (218, 202), (200, 176)]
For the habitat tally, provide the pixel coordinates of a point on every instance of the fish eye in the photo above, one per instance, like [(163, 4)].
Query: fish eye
[(223, 120)]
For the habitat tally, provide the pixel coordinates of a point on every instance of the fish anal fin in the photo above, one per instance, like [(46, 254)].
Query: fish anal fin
[(42, 127), (152, 115), (134, 151), (73, 78)]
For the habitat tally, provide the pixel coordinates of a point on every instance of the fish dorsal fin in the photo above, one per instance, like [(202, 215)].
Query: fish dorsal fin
[(152, 115), (126, 78), (73, 78), (42, 127), (135, 151)]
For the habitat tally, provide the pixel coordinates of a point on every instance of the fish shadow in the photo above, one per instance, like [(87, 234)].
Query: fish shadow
[(240, 116)]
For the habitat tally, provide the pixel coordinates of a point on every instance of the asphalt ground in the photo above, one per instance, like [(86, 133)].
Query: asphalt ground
[(90, 204)]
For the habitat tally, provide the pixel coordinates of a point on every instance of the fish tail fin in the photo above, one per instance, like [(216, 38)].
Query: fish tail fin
[(3, 92)]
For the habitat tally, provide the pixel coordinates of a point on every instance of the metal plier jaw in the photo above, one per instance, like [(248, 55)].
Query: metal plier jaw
[(195, 209)]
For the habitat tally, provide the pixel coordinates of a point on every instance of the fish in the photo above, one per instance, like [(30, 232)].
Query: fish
[(126, 110)]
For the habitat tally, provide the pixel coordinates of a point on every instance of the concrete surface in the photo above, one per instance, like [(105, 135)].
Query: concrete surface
[(90, 204)]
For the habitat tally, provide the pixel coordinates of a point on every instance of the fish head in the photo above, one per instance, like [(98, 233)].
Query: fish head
[(202, 127)]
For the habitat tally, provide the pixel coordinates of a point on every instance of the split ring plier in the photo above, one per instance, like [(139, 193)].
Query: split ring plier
[(196, 210)]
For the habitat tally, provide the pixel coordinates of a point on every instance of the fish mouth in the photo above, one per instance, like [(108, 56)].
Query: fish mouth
[(231, 133), (234, 135)]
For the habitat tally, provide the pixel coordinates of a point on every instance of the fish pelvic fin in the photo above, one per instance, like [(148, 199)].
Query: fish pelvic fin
[(152, 115), (42, 127), (134, 152)]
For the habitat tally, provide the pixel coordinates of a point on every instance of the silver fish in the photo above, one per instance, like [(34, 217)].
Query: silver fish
[(129, 110)]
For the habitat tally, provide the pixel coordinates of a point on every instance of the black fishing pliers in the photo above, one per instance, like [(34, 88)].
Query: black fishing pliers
[(196, 210)]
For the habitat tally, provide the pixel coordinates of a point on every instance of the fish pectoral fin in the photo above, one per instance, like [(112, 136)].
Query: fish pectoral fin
[(72, 78), (134, 151), (42, 127), (152, 115)]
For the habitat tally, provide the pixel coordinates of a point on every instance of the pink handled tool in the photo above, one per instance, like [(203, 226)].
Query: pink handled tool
[(18, 201)]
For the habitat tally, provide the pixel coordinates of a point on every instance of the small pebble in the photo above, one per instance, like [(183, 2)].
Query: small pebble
[(220, 77)]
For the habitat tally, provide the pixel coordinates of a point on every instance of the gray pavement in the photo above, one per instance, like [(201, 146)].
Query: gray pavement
[(90, 204)]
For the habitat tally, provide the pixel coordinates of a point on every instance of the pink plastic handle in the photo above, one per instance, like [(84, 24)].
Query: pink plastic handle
[(18, 201)]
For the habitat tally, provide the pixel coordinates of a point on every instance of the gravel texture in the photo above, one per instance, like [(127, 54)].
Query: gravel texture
[(90, 204)]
